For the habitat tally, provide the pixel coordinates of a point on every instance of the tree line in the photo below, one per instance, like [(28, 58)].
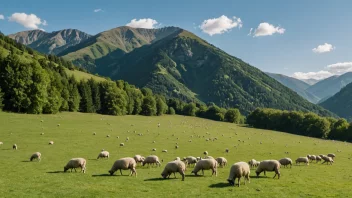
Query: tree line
[(300, 123)]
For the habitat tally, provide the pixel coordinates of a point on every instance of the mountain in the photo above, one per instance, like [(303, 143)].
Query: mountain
[(107, 46), (330, 86), (310, 81), (50, 43), (341, 103), (296, 85), (184, 66)]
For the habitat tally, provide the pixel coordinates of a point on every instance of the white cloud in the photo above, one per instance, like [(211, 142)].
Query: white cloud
[(250, 32), (143, 23), (2, 17), (30, 21), (266, 29), (326, 47), (220, 25), (331, 70), (98, 10)]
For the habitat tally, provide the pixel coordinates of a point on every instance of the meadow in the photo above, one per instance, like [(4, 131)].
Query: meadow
[(74, 138)]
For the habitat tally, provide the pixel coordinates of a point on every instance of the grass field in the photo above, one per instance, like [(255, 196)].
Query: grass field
[(74, 138), (83, 76)]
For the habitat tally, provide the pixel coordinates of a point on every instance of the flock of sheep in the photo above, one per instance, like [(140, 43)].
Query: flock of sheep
[(178, 165)]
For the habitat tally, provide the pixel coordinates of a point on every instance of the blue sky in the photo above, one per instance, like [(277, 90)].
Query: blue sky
[(306, 24)]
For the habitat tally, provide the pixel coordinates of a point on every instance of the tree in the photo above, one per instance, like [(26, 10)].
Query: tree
[(94, 86), (86, 104), (74, 97), (147, 92), (214, 113), (171, 111), (149, 106), (233, 116), (161, 107), (190, 109), (1, 99), (113, 99)]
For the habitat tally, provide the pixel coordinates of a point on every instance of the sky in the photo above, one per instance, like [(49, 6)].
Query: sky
[(303, 39)]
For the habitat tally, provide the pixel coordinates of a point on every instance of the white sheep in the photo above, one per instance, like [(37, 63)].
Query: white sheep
[(209, 157), (127, 138), (14, 147), (252, 163), (317, 158), (221, 161), (327, 160), (138, 158), (94, 133), (286, 161), (174, 167), (269, 165), (58, 125), (152, 159), (104, 154), (312, 157), (154, 149), (177, 159), (1, 143), (331, 155), (164, 151), (206, 164), (42, 134), (122, 144), (198, 158), (176, 147), (51, 142), (205, 152), (227, 150), (238, 170), (189, 160), (108, 136), (124, 164), (76, 163), (35, 155), (302, 160)]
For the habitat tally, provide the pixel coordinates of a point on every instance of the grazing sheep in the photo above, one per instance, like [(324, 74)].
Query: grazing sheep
[(312, 158), (108, 136), (51, 142), (152, 159), (35, 155), (331, 155), (205, 152), (58, 125), (321, 155), (286, 161), (317, 158), (42, 134), (206, 164), (1, 143), (238, 170), (176, 147), (154, 149), (303, 160), (117, 137), (124, 164), (221, 161), (14, 147), (103, 154), (76, 163), (174, 167), (253, 163), (190, 160), (127, 138), (94, 133), (177, 159), (269, 165), (122, 144), (198, 158), (227, 150), (164, 151), (138, 158), (327, 160)]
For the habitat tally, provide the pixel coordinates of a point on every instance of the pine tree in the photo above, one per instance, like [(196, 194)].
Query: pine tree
[(94, 86), (74, 97), (86, 103)]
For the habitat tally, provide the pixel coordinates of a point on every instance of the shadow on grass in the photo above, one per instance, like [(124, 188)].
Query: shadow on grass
[(108, 175), (160, 179), (55, 172), (93, 159), (220, 185), (260, 177), (25, 161)]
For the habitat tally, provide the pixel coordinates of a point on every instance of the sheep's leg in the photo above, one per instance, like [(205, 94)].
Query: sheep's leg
[(175, 174), (202, 172), (121, 171), (238, 181), (183, 175), (264, 173), (249, 181), (274, 175)]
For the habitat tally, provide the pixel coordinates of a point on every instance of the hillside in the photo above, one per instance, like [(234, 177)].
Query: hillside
[(74, 138), (50, 43), (112, 44), (183, 65), (330, 86), (341, 102), (310, 81), (296, 85)]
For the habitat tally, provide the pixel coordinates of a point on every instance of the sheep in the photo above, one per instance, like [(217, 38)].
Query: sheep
[(107, 136), (103, 154), (42, 134), (152, 159), (317, 158), (122, 144), (94, 133), (205, 152), (173, 167), (327, 160), (221, 161), (58, 125), (312, 157), (177, 159), (176, 147), (238, 170), (51, 142), (286, 161), (269, 165), (321, 155), (35, 155), (124, 164), (227, 150), (127, 138), (1, 143), (209, 157), (76, 163), (253, 163), (14, 147), (206, 164), (138, 158), (118, 137), (198, 158), (154, 149), (302, 159), (164, 151), (331, 155), (190, 160)]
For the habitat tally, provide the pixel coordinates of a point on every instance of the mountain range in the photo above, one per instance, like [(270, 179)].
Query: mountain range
[(176, 63)]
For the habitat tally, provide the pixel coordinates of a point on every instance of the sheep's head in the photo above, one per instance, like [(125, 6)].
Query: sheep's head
[(231, 182), (163, 175), (65, 169), (257, 172), (111, 172)]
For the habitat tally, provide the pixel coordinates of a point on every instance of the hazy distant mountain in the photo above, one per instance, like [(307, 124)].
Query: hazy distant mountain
[(310, 81), (330, 86), (295, 85), (50, 43)]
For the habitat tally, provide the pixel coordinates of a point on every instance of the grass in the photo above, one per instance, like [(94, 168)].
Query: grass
[(74, 138), (83, 76)]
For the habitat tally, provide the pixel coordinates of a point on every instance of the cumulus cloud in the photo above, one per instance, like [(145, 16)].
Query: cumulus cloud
[(331, 70), (266, 29), (143, 23), (98, 10), (30, 21), (326, 47), (2, 17), (220, 25)]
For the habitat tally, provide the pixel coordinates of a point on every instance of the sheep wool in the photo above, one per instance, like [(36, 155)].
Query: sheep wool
[(302, 160), (35, 155), (14, 147), (331, 155), (190, 160), (285, 162), (221, 161), (206, 164), (124, 164), (76, 163), (238, 170), (174, 167), (138, 158), (103, 154), (269, 165), (152, 159), (327, 160)]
